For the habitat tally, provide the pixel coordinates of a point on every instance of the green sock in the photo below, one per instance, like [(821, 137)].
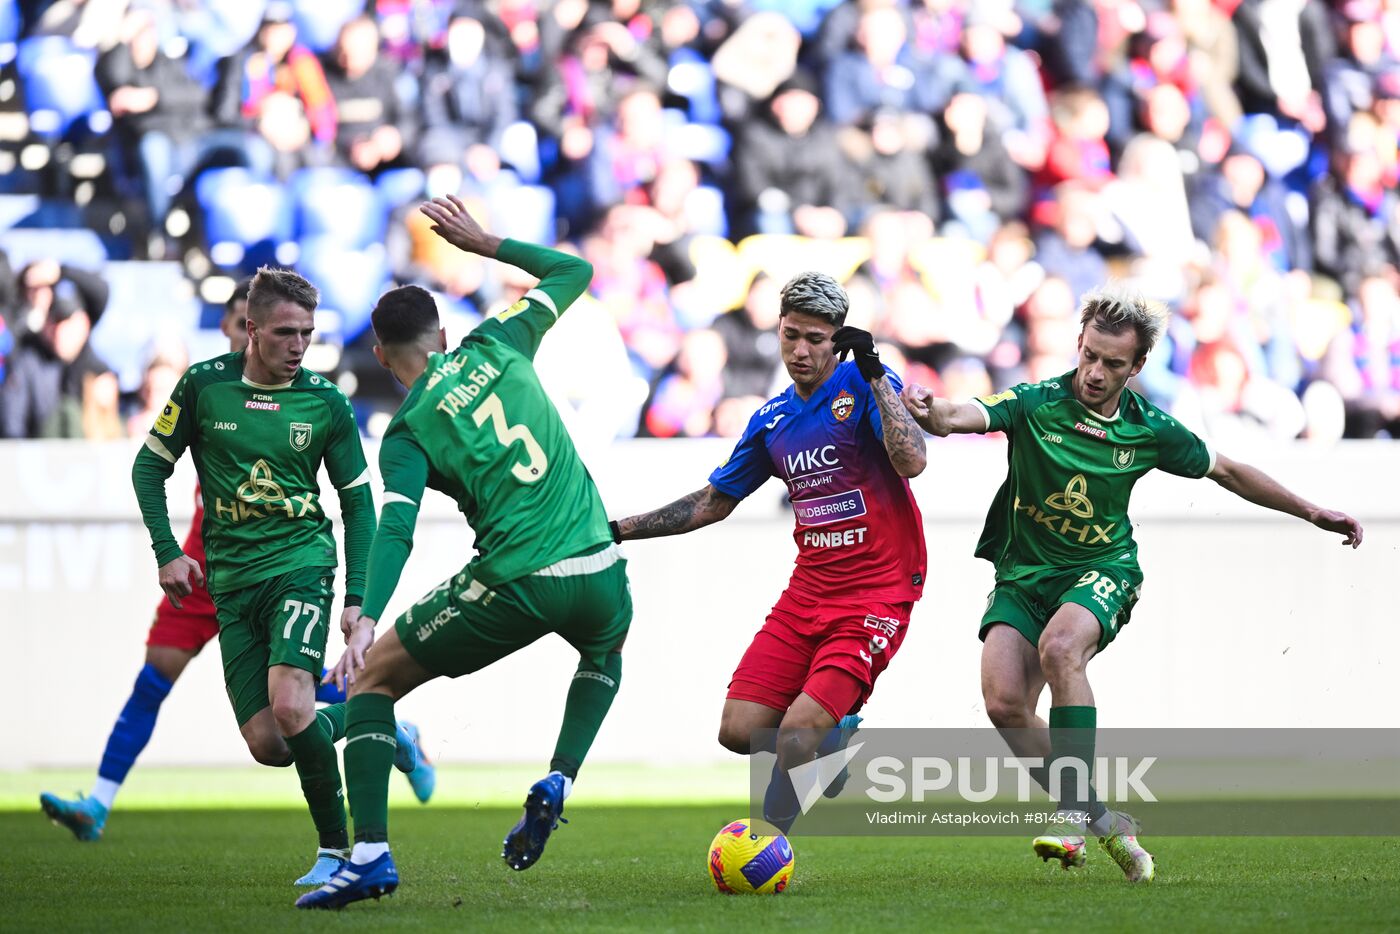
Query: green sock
[(314, 756), (1072, 738), (332, 720), (590, 696), (369, 756)]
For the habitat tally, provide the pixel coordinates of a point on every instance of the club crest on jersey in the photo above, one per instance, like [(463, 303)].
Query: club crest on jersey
[(1123, 457), (843, 405), (300, 436)]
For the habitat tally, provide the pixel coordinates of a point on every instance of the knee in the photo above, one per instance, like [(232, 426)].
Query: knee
[(734, 736), (1008, 712), (1060, 655), (291, 715), (797, 745), (268, 749)]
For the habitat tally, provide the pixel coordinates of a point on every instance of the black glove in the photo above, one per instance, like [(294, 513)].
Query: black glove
[(861, 346)]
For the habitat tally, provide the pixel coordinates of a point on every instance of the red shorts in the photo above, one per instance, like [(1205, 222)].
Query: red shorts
[(831, 653), (188, 628)]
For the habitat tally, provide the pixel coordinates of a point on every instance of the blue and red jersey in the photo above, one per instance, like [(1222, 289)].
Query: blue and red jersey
[(858, 529)]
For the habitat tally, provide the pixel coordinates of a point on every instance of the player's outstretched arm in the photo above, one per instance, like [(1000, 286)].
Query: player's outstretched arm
[(942, 417), (454, 223), (699, 509), (1259, 488)]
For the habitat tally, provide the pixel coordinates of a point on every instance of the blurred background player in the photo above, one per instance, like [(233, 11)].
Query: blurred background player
[(1058, 532), (478, 426), (259, 427), (176, 636), (845, 447)]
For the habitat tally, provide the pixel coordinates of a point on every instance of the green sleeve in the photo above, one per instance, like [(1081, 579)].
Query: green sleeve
[(563, 278), (405, 467), (1005, 409), (1179, 450), (155, 462), (349, 473)]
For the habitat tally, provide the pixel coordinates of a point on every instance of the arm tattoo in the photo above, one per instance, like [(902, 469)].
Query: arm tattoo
[(904, 439), (686, 514)]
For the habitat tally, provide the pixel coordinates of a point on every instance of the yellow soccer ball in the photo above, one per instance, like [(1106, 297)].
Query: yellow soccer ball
[(743, 860)]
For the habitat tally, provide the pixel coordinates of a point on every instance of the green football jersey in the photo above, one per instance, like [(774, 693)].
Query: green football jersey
[(257, 450), (478, 426), (1071, 473)]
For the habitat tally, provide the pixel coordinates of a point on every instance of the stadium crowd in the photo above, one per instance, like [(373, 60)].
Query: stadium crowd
[(967, 169)]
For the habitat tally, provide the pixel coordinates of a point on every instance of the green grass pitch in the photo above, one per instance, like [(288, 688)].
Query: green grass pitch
[(642, 868)]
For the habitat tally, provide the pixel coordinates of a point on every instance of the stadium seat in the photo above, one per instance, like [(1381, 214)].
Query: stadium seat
[(76, 247), (350, 281), (692, 78), (9, 29), (245, 217), (319, 21), (520, 149), (400, 186), (59, 87), (338, 204), (522, 212), (698, 142), (704, 209)]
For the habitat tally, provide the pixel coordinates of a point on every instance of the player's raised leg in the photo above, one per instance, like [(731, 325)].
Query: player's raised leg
[(86, 815), (371, 748)]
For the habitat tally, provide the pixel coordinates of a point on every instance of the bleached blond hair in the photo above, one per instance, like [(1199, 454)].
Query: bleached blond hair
[(1115, 307)]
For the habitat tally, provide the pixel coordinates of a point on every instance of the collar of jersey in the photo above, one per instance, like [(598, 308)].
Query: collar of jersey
[(285, 385), (825, 389)]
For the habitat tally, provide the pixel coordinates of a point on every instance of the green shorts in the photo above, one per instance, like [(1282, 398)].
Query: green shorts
[(283, 620), (462, 625), (1107, 590)]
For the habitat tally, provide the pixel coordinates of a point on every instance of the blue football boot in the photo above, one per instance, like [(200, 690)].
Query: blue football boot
[(85, 815), (328, 863), (353, 883), (412, 760), (843, 733), (543, 807)]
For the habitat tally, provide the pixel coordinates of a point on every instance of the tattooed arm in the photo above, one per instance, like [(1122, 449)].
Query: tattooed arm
[(904, 440), (699, 509)]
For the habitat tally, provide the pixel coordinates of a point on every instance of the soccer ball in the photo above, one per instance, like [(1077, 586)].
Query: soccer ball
[(743, 860)]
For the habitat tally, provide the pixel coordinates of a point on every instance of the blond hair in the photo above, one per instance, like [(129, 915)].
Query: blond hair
[(1115, 307)]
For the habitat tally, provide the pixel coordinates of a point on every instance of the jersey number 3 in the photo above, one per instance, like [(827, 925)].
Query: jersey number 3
[(491, 408)]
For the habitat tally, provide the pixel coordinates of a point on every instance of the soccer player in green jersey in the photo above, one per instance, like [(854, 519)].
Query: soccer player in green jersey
[(259, 427), (477, 425), (1059, 535)]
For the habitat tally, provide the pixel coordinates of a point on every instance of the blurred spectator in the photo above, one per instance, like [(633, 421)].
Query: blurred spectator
[(1241, 184), (1355, 220), (1149, 201), (1066, 248), (1284, 45), (161, 121), (603, 62), (468, 96), (371, 126), (790, 175), (982, 186), (1007, 78), (1077, 150), (633, 288), (892, 159), (1352, 80), (1363, 362), (685, 398), (275, 68), (750, 335), (167, 362), (55, 385), (880, 72), (1213, 55)]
